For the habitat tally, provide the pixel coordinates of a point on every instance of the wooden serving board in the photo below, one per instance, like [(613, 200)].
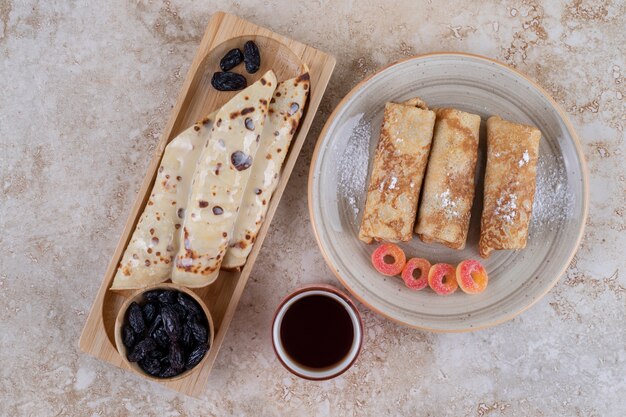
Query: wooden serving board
[(196, 100)]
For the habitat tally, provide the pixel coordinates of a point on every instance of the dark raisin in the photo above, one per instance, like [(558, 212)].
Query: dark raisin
[(182, 313), (128, 336), (149, 312), (161, 337), (187, 338), (135, 318), (167, 297), (190, 304), (198, 330), (231, 59), (176, 357), (196, 356), (228, 81), (240, 160), (156, 324), (251, 57), (151, 366), (152, 295), (171, 322), (141, 349), (157, 354), (169, 372)]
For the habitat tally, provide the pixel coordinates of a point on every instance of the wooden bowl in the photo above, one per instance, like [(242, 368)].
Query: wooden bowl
[(139, 298)]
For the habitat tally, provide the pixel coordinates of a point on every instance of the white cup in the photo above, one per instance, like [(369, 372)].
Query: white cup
[(317, 374)]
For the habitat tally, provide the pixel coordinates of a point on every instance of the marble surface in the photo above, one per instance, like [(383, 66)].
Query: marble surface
[(86, 90)]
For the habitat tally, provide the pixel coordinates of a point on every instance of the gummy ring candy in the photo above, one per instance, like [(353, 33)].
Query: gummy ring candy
[(388, 259), (442, 279), (412, 280), (471, 276)]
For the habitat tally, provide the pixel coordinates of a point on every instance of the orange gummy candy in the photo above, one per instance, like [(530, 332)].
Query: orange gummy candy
[(388, 259), (413, 281), (442, 280), (471, 276)]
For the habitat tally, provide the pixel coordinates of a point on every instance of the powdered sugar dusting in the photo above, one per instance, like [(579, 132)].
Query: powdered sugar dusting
[(506, 207), (524, 160), (553, 200), (448, 204), (354, 163)]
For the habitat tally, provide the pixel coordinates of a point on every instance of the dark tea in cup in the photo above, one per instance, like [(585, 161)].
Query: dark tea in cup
[(317, 332)]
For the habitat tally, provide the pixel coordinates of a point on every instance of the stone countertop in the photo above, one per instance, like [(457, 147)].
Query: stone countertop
[(86, 90)]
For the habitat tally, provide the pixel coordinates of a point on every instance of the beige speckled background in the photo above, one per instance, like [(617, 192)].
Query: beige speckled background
[(86, 88)]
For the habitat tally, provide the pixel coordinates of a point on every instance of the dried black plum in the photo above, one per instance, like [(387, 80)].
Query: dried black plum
[(158, 322), (190, 304), (157, 353), (135, 318), (182, 313), (161, 338), (228, 81), (251, 57), (196, 356), (168, 297), (173, 334), (231, 59), (240, 160), (176, 358), (169, 372), (141, 349), (187, 337), (198, 330), (128, 336), (152, 295), (149, 312), (152, 366), (171, 322)]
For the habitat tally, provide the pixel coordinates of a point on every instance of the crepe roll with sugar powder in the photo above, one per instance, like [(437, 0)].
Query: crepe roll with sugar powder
[(397, 172), (510, 176), (445, 209)]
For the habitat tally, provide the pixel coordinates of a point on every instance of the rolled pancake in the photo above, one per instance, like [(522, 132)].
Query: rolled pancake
[(149, 256), (445, 208), (285, 111), (219, 181), (510, 177), (397, 172)]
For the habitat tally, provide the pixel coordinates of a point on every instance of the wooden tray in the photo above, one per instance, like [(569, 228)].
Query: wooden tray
[(197, 99)]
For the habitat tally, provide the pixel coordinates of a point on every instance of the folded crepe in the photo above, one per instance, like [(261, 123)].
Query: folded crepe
[(149, 256), (445, 209), (397, 173), (285, 111), (221, 175), (510, 177)]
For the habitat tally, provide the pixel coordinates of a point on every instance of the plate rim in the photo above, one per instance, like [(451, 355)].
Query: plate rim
[(568, 125)]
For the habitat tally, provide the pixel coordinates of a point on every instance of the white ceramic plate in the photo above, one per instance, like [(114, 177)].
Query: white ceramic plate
[(340, 173)]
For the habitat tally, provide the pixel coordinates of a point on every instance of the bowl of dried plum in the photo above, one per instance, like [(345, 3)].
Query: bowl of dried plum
[(164, 332)]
